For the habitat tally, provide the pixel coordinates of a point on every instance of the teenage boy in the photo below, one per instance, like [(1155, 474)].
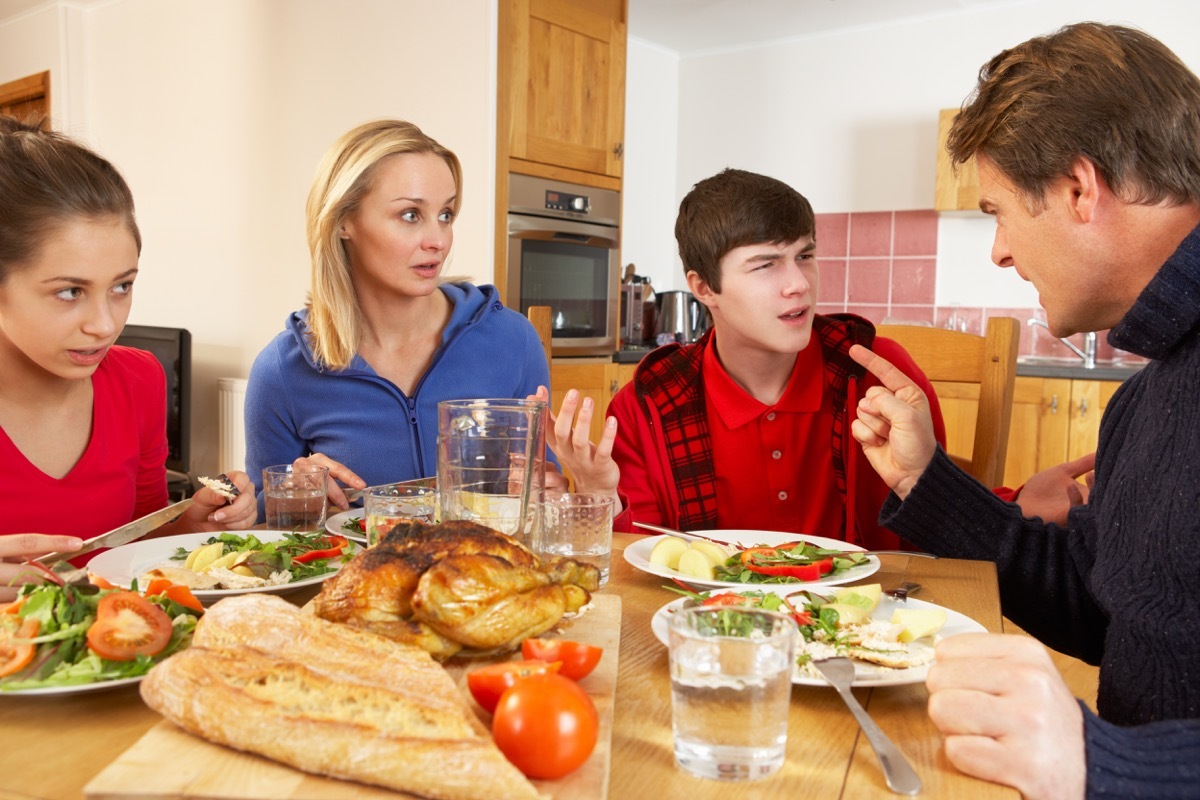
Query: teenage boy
[(749, 426)]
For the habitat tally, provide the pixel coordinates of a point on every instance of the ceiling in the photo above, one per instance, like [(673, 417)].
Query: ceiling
[(690, 27)]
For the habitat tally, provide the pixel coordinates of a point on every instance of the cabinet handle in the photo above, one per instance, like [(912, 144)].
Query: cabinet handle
[(619, 149), (1054, 404), (612, 386), (1083, 408)]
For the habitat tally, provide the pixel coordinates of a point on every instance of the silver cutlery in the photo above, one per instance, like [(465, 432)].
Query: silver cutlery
[(900, 776), (356, 494), (686, 535), (902, 591)]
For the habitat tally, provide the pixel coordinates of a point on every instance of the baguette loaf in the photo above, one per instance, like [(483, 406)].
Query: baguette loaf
[(331, 701)]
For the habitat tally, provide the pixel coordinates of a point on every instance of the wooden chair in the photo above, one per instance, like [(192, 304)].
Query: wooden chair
[(540, 317), (974, 378)]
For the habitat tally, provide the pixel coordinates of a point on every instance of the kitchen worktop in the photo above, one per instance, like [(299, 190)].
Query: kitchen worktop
[(1031, 366)]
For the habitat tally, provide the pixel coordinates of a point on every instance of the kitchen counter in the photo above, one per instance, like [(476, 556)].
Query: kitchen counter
[(1073, 369), (1031, 366)]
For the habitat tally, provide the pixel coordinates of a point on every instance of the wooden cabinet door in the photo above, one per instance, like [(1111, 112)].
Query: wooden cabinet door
[(567, 85), (953, 190), (1088, 401), (1041, 419), (593, 379)]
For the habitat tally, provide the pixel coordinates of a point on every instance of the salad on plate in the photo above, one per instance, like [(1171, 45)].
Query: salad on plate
[(61, 639)]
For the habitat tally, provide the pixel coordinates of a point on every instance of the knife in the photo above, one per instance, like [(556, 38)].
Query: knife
[(686, 535), (124, 534), (356, 494)]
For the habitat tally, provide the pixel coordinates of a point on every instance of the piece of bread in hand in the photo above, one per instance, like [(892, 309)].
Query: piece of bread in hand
[(265, 677), (222, 486)]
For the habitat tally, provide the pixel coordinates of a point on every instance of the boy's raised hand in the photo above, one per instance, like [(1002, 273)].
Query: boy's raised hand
[(894, 425), (591, 464)]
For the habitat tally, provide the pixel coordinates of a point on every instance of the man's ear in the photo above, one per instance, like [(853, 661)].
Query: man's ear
[(700, 288), (1085, 189)]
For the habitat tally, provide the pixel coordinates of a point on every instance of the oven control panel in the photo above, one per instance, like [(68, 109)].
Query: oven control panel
[(561, 201)]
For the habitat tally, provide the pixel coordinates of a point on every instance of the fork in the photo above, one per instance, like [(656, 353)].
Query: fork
[(902, 591), (900, 776)]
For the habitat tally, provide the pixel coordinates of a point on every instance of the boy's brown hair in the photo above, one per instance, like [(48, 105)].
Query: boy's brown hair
[(735, 208), (1115, 95)]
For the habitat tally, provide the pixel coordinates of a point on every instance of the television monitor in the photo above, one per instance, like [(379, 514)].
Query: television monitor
[(173, 349)]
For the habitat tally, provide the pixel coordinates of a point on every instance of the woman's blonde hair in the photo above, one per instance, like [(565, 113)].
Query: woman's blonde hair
[(342, 180)]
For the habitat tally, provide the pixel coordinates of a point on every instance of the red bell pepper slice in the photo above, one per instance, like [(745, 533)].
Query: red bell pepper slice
[(336, 545)]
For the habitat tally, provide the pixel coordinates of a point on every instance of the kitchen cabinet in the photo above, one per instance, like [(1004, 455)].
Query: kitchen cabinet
[(1053, 420), (562, 88), (953, 191)]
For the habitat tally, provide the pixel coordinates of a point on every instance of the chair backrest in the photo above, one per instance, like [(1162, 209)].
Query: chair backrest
[(540, 317), (952, 361)]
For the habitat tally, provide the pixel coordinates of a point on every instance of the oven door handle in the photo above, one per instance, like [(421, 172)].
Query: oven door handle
[(540, 228)]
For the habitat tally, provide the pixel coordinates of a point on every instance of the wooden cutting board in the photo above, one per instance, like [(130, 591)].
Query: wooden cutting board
[(169, 762)]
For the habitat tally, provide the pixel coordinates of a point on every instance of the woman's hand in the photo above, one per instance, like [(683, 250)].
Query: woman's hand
[(591, 465), (17, 548), (337, 472)]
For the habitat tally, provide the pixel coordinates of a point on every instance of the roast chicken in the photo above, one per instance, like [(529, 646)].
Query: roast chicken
[(455, 588)]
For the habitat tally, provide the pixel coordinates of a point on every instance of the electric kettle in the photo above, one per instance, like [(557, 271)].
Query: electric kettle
[(681, 318)]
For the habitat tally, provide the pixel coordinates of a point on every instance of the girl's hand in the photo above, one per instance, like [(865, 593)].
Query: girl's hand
[(17, 548), (238, 514)]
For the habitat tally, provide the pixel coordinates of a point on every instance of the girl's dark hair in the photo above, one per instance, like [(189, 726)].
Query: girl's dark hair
[(46, 179)]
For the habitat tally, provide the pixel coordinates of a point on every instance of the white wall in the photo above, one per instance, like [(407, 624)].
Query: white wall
[(217, 112), (851, 121)]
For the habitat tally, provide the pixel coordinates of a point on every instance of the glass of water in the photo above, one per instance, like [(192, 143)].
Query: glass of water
[(578, 526), (389, 505), (731, 687), (295, 497)]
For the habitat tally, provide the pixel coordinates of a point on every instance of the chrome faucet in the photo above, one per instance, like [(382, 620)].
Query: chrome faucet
[(1088, 353)]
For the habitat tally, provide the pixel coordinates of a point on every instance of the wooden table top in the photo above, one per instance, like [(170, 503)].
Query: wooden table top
[(52, 746)]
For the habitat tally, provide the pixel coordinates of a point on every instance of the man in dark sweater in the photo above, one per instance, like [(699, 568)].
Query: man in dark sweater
[(1088, 147)]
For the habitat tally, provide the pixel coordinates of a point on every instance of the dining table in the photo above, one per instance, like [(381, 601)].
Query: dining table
[(52, 746)]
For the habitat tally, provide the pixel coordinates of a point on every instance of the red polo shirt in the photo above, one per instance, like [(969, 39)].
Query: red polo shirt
[(774, 463)]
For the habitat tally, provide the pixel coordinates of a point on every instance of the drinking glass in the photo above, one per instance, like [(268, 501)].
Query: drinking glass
[(389, 505), (578, 526), (731, 686), (491, 460), (295, 497)]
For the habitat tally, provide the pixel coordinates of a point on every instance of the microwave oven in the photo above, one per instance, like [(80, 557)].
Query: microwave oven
[(564, 252)]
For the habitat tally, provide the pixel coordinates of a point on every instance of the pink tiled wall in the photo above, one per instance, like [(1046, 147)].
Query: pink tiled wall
[(882, 265)]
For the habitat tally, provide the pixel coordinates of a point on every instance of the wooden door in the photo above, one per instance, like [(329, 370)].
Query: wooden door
[(567, 84), (1038, 432), (594, 379), (27, 98)]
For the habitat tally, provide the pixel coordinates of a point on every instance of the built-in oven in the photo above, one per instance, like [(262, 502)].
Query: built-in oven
[(563, 241)]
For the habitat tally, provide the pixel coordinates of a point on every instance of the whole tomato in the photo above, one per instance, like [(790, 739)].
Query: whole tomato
[(546, 726), (488, 683)]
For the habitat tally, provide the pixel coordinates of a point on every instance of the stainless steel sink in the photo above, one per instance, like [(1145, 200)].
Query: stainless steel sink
[(1064, 361)]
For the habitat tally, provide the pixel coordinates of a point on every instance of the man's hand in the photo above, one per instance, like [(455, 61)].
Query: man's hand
[(1007, 715), (894, 425), (591, 465), (1051, 493)]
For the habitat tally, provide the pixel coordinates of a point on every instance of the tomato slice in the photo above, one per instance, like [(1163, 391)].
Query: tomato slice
[(488, 683), (727, 599), (546, 726), (128, 625), (578, 659), (16, 644)]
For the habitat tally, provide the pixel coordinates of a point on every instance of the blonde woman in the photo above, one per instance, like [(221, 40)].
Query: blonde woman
[(354, 380)]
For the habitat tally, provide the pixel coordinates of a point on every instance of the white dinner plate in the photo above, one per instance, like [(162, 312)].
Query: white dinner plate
[(334, 524), (638, 555), (864, 674), (122, 565), (76, 689)]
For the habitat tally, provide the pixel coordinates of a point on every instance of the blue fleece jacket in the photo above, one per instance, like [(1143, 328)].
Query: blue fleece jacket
[(295, 407)]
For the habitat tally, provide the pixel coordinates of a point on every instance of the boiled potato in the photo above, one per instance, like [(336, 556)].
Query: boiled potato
[(227, 561), (865, 597), (202, 557), (848, 614), (715, 553), (243, 570), (918, 622), (695, 563), (667, 551)]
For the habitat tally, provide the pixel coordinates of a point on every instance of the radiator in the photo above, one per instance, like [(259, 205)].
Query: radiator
[(231, 427)]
